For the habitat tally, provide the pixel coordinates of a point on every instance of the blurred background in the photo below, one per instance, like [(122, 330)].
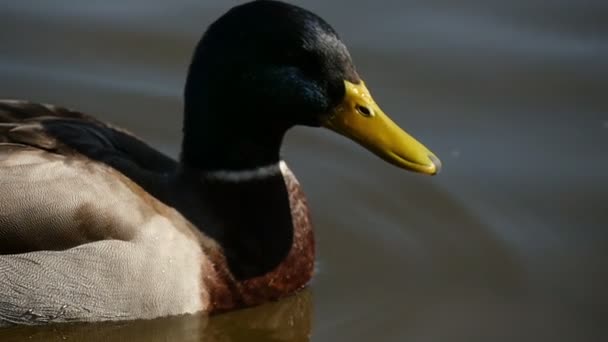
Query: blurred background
[(508, 243)]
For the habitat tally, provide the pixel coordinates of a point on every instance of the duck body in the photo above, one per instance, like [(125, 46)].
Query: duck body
[(81, 241), (96, 225)]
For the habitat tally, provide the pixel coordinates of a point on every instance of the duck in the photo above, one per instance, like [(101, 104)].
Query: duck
[(97, 225)]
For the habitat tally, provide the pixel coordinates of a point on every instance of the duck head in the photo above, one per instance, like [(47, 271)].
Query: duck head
[(266, 66)]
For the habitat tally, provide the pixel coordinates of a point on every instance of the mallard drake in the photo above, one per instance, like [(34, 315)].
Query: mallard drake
[(97, 225)]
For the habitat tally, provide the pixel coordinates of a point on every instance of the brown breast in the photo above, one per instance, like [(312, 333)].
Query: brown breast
[(225, 292)]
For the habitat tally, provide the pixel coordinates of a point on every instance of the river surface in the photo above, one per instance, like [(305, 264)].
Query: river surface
[(508, 243)]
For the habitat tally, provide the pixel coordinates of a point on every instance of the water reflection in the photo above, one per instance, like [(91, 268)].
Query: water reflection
[(287, 320)]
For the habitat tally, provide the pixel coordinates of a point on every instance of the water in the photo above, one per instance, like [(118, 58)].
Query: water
[(509, 243)]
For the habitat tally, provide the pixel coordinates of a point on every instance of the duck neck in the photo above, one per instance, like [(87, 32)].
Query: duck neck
[(244, 197), (243, 191), (213, 142), (252, 212), (265, 234)]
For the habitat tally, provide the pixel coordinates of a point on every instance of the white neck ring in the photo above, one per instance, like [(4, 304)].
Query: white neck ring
[(237, 176)]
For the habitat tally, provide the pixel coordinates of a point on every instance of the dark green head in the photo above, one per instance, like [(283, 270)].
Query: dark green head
[(260, 69)]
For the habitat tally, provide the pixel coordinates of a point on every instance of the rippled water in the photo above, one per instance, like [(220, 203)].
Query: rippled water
[(509, 243)]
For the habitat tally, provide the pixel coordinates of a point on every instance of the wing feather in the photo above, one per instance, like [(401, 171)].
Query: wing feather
[(59, 179)]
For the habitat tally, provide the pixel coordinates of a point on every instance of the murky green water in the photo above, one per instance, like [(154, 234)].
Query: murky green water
[(509, 243)]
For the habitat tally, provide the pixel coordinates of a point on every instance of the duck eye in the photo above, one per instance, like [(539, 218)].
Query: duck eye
[(364, 111)]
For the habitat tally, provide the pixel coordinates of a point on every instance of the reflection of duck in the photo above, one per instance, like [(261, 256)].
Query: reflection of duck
[(97, 225), (285, 320)]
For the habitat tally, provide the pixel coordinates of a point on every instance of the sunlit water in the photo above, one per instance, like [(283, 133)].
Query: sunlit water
[(509, 243)]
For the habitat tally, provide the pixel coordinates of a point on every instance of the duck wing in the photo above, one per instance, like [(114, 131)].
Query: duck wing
[(67, 178), (64, 131)]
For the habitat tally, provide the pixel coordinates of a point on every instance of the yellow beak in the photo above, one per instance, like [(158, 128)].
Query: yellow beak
[(359, 118)]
